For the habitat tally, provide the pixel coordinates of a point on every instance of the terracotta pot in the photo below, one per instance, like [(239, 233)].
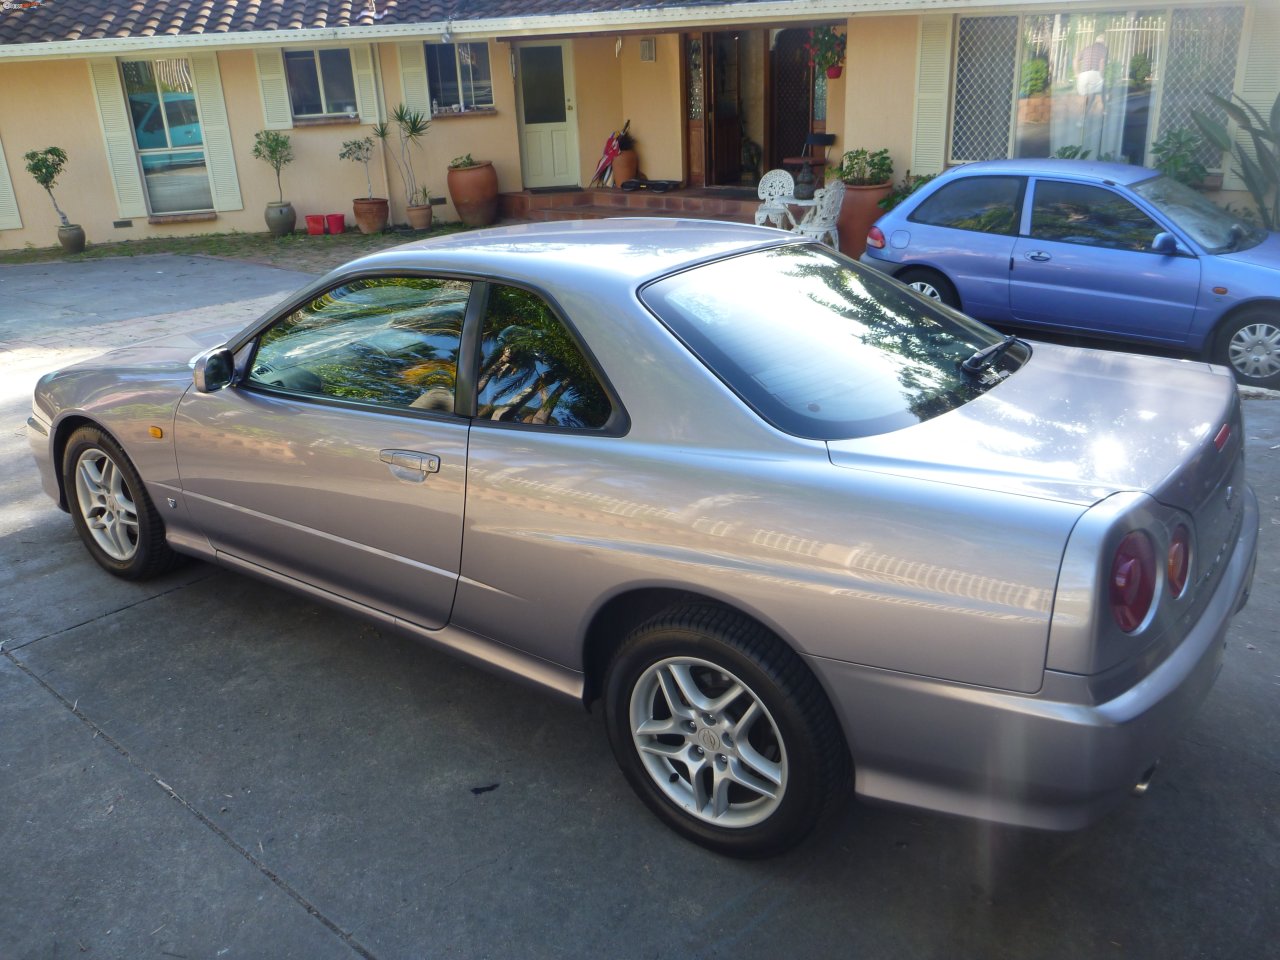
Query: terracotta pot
[(420, 216), (281, 218), (72, 238), (858, 212), (625, 167), (371, 214), (834, 72), (474, 191)]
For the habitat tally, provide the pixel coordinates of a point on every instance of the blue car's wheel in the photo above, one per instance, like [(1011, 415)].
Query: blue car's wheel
[(931, 284), (1250, 345)]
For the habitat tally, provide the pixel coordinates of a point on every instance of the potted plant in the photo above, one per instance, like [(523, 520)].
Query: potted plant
[(473, 187), (826, 51), (626, 165), (420, 209), (46, 166), (371, 212), (273, 147), (868, 179), (1034, 101), (410, 127)]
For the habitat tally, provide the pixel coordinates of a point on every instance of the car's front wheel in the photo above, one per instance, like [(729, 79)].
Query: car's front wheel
[(1250, 345), (110, 508), (723, 731)]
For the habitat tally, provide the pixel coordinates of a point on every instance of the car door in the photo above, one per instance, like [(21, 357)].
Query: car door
[(1086, 263), (966, 228), (338, 458)]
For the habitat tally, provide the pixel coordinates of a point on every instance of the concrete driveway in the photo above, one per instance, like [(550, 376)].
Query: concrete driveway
[(204, 766)]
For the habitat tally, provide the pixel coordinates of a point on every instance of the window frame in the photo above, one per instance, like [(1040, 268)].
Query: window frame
[(245, 349), (446, 110), (324, 100), (140, 151)]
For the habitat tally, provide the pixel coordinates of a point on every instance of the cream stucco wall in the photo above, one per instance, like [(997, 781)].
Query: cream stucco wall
[(597, 77), (651, 100), (878, 88)]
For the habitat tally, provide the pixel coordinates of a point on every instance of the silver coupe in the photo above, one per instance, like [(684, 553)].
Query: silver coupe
[(794, 524)]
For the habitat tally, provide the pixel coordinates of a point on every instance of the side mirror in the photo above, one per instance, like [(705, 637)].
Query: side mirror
[(1165, 243), (214, 370)]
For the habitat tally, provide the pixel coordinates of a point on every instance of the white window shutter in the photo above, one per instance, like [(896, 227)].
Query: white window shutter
[(933, 95), (413, 78), (1259, 82), (277, 112), (10, 219), (117, 133), (219, 157), (366, 86)]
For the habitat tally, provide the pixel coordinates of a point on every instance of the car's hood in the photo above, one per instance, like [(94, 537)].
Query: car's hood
[(1071, 425), (1266, 254), (172, 350)]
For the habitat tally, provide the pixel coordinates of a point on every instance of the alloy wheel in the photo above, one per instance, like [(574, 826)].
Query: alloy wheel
[(107, 504)]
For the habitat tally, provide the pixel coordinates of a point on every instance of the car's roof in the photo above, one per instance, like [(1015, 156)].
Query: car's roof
[(629, 250), (1122, 173)]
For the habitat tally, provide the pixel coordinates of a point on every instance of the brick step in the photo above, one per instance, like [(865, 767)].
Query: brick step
[(602, 212), (592, 204)]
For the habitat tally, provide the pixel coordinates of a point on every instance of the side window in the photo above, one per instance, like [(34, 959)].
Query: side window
[(1093, 216), (531, 369), (321, 82), (983, 204), (391, 341)]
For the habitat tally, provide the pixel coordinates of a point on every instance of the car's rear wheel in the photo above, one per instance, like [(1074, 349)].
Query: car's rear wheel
[(723, 731), (110, 508), (931, 284), (1250, 345)]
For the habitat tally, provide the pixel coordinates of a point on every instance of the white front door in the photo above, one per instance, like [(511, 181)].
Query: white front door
[(548, 125)]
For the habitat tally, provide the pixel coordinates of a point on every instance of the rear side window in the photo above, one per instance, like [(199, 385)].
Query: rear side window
[(982, 204), (532, 370), (1088, 215)]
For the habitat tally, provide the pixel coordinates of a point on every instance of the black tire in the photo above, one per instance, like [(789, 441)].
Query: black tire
[(792, 734), (931, 284), (1249, 343), (127, 538)]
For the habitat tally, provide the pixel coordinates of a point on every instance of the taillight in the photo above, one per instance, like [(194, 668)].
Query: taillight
[(1178, 563), (1133, 581), (875, 238)]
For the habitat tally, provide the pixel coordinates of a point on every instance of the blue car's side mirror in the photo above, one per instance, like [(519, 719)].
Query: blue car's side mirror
[(1165, 243)]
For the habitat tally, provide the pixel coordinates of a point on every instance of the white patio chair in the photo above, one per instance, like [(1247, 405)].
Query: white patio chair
[(776, 188), (820, 222)]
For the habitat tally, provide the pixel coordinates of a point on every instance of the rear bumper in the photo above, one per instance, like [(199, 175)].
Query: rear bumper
[(884, 266), (1051, 760)]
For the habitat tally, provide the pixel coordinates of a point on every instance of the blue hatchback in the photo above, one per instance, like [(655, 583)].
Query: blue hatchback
[(1100, 249)]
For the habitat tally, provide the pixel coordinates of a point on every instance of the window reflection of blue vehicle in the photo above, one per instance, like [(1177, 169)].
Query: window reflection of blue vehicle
[(149, 120)]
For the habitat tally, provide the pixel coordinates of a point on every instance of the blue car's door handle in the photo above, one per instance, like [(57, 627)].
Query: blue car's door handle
[(1039, 256)]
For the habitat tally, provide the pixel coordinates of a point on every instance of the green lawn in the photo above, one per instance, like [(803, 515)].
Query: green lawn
[(295, 252)]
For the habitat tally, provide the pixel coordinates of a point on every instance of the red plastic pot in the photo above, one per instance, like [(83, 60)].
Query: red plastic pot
[(315, 224), (337, 222)]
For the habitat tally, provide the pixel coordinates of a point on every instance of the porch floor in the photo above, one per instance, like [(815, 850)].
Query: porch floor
[(698, 203)]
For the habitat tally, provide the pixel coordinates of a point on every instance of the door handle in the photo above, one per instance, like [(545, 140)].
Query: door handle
[(1039, 256), (410, 464)]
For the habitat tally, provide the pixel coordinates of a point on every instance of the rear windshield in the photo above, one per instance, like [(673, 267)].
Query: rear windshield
[(823, 348)]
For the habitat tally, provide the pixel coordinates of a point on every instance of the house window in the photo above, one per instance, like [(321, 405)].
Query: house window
[(168, 134), (1101, 84), (320, 83), (458, 77)]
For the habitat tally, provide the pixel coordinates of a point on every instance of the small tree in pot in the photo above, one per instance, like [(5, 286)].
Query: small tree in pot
[(273, 147), (868, 178), (371, 212), (46, 166), (410, 127)]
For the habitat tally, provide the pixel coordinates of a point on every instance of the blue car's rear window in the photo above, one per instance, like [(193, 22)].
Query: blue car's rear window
[(823, 348)]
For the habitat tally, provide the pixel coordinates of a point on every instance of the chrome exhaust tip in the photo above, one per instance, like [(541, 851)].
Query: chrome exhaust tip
[(1144, 781)]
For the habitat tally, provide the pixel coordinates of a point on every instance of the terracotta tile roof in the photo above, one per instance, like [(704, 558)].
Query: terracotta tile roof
[(52, 20)]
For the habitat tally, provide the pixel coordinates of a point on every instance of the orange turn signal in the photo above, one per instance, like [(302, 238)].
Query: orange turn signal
[(156, 432)]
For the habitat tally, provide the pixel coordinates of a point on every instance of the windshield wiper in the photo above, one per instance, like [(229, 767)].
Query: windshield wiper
[(988, 355)]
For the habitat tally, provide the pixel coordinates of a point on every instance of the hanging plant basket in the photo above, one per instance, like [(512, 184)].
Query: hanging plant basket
[(833, 73)]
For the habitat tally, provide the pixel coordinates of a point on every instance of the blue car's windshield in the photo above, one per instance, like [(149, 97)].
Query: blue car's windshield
[(1207, 224)]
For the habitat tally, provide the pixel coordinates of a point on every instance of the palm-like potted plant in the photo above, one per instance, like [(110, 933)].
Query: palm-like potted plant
[(46, 166), (868, 179), (473, 188), (409, 128), (371, 212), (273, 148), (826, 51), (626, 165)]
